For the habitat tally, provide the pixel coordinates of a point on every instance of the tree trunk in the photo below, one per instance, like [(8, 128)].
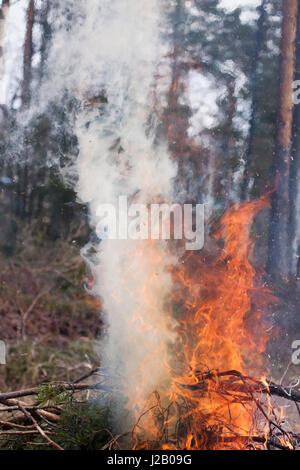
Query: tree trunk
[(46, 35), (278, 239), (176, 116), (22, 170), (294, 221), (254, 98), (175, 121), (228, 147), (28, 51)]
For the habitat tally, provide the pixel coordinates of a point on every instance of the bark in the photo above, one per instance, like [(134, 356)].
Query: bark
[(175, 121), (22, 170), (228, 147), (45, 36), (28, 51), (277, 247), (294, 196), (260, 36)]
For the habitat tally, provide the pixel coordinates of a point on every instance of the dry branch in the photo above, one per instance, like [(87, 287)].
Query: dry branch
[(66, 387), (236, 386), (255, 385), (39, 429)]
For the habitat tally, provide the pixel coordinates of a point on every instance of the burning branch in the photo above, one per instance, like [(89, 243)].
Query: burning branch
[(231, 385), (239, 382)]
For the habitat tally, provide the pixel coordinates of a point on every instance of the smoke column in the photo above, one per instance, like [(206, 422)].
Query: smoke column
[(116, 47)]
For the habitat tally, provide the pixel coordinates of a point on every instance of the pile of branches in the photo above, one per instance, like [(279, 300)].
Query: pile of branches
[(234, 388), (37, 411), (203, 414)]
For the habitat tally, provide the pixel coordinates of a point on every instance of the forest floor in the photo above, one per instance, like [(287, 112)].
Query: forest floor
[(49, 322)]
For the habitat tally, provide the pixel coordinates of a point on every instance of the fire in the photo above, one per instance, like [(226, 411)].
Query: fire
[(219, 332), (219, 345)]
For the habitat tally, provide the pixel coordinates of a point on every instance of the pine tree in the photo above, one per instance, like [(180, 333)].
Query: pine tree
[(260, 37), (277, 248), (22, 186), (294, 193)]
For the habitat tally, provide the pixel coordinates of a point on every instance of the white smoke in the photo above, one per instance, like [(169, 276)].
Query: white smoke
[(116, 47)]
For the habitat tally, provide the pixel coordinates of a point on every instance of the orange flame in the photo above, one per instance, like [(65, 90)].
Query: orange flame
[(218, 304), (219, 332)]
